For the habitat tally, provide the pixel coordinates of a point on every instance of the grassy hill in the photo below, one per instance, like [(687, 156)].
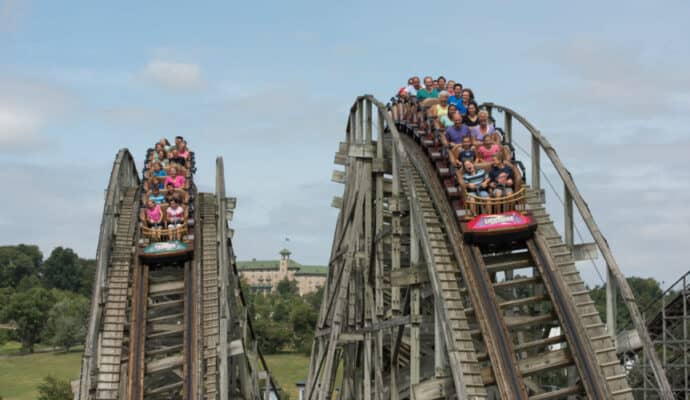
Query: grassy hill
[(21, 374)]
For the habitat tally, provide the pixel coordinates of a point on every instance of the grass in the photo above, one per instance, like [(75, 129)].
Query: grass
[(288, 369), (21, 374)]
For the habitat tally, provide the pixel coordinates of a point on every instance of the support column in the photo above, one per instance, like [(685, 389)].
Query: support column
[(611, 293), (508, 127), (536, 185), (569, 225), (414, 307)]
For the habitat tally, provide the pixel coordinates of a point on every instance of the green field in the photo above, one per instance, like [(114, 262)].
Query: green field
[(20, 374), (288, 369)]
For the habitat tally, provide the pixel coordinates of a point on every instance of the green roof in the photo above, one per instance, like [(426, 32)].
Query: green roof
[(312, 270), (275, 265)]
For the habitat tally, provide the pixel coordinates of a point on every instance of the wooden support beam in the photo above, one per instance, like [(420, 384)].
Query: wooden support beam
[(534, 365), (585, 252), (410, 276), (438, 388), (163, 364)]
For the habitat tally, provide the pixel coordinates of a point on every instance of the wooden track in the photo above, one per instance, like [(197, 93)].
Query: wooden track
[(209, 298), (108, 383), (412, 311)]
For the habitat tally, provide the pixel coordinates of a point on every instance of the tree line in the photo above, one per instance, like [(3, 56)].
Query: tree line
[(44, 301)]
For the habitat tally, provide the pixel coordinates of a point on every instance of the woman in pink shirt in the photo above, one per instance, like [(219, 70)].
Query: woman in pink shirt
[(176, 180), (154, 215), (488, 149)]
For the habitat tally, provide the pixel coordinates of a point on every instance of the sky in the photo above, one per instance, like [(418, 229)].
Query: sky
[(268, 85)]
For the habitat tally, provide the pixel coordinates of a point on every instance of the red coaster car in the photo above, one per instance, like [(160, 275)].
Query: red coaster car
[(505, 227)]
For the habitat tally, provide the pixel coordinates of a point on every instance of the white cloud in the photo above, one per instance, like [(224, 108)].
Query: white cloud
[(17, 127), (26, 108), (174, 75)]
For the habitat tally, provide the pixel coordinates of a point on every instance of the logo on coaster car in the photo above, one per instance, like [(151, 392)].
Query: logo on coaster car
[(492, 221), (161, 247)]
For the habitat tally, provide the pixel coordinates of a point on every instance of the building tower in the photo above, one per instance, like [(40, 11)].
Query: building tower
[(284, 262)]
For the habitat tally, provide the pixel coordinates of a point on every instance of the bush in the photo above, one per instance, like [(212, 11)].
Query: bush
[(54, 389)]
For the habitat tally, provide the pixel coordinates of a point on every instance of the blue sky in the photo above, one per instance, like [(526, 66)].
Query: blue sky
[(268, 85)]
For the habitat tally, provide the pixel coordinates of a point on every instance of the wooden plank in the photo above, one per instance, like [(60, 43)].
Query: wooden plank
[(409, 276)]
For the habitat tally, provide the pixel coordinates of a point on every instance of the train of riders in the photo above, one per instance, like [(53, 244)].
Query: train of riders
[(166, 184), (472, 142)]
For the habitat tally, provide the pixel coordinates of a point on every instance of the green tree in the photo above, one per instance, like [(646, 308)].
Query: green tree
[(17, 262), (29, 311), (272, 336), (54, 389), (67, 319), (303, 319), (647, 292), (314, 299), (63, 270), (287, 288), (88, 275)]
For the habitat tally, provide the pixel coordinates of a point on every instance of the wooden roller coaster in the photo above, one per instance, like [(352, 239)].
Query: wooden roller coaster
[(169, 327), (413, 311)]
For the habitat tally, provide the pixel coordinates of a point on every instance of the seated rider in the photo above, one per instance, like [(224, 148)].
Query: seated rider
[(174, 157), (175, 214), (445, 121), (456, 99), (182, 150), (441, 109), (156, 196), (154, 215), (476, 181), (488, 149), (157, 170), (501, 178), (176, 180), (428, 91), (467, 152), (157, 181), (171, 194), (162, 158), (484, 126), (452, 140)]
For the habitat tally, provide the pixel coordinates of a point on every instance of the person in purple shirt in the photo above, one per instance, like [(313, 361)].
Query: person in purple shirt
[(452, 140)]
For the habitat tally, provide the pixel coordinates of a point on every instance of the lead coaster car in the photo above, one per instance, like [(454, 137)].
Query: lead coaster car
[(165, 251), (497, 229)]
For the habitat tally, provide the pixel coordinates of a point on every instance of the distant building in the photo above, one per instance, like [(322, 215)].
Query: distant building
[(264, 275)]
